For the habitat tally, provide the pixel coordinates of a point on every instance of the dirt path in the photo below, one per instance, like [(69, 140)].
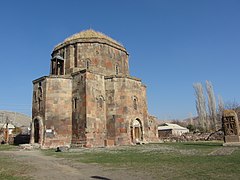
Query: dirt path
[(51, 168)]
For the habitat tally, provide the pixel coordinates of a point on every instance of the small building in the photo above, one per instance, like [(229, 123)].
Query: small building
[(168, 129), (9, 126)]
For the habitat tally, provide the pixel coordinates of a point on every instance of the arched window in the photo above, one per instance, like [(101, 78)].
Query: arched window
[(110, 99), (39, 104), (117, 69), (135, 102), (100, 102)]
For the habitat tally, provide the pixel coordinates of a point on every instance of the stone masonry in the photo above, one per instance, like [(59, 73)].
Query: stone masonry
[(89, 99), (230, 126)]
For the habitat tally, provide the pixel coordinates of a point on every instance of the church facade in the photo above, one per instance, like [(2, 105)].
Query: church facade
[(89, 99)]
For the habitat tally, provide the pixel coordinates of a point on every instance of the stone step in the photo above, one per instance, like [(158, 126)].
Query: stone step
[(29, 146), (78, 145)]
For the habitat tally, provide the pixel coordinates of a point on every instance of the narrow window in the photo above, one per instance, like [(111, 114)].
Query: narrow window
[(135, 103), (117, 69), (100, 102), (87, 64), (75, 101), (75, 56)]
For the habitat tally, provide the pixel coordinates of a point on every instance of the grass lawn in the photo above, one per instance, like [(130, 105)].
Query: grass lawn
[(196, 160), (10, 169)]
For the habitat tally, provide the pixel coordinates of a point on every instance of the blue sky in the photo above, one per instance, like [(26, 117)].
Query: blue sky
[(172, 44)]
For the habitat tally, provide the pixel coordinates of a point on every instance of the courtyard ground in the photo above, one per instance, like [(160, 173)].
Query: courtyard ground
[(196, 160)]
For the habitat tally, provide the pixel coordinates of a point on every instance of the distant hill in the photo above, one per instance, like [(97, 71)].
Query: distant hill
[(15, 118)]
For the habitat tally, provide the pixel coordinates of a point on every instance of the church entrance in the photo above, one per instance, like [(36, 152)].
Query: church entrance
[(36, 131), (137, 132)]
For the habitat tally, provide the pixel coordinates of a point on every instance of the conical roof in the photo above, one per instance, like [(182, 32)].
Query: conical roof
[(89, 35)]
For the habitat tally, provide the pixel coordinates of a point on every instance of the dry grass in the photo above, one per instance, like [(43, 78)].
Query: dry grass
[(166, 161), (10, 168)]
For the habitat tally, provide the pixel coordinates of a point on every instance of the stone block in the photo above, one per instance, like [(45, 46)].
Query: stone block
[(230, 127), (109, 142)]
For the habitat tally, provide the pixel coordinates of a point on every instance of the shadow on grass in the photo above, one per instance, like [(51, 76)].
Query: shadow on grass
[(100, 177)]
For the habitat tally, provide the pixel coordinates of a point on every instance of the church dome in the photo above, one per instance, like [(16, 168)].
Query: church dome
[(90, 36)]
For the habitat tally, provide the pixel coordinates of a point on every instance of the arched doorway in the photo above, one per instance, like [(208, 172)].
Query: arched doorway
[(137, 131), (36, 131)]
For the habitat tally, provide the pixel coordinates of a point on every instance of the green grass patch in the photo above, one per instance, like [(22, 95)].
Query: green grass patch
[(168, 161), (6, 147)]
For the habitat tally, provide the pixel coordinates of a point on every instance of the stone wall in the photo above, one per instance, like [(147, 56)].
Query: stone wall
[(79, 109), (38, 110), (58, 112), (39, 97), (95, 110), (152, 135), (97, 57), (126, 102)]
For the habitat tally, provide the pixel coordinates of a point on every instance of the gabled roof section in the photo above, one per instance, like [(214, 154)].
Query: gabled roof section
[(169, 126), (4, 126)]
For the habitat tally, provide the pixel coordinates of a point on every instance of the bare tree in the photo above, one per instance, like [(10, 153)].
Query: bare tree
[(233, 105), (200, 105), (211, 106), (220, 105), (220, 111), (191, 118)]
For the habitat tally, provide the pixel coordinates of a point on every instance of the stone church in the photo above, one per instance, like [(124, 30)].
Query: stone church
[(89, 99)]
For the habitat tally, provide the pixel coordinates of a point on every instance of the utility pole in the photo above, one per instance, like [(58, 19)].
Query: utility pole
[(6, 131)]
